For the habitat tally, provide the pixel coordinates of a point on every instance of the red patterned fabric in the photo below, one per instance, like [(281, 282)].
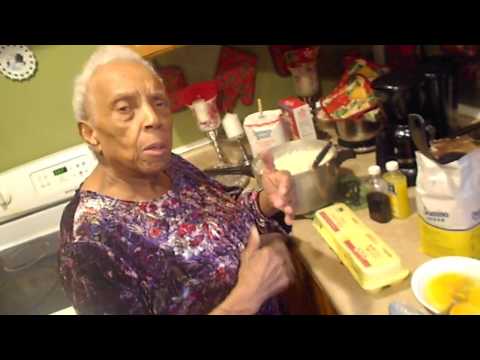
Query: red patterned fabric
[(174, 80), (202, 90), (301, 56), (401, 57), (462, 50), (235, 77), (277, 52)]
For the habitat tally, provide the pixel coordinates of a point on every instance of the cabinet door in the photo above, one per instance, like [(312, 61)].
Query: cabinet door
[(152, 50), (305, 297)]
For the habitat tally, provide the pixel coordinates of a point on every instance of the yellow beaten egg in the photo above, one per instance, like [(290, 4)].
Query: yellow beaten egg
[(445, 289)]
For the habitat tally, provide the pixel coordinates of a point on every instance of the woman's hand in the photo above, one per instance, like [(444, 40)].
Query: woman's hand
[(265, 271), (279, 192)]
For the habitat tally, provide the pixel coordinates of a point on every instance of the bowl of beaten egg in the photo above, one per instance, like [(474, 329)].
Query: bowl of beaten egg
[(450, 283)]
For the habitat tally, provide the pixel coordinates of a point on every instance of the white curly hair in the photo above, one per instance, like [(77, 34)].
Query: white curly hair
[(103, 55)]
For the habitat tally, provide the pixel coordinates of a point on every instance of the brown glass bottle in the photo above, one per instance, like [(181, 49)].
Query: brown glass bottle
[(379, 206), (378, 199)]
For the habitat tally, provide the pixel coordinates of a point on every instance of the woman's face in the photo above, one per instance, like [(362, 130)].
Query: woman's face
[(130, 117)]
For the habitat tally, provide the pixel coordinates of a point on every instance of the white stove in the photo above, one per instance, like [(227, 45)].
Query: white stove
[(32, 199)]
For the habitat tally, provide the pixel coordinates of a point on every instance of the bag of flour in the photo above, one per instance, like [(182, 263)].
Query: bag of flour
[(448, 196), (448, 202)]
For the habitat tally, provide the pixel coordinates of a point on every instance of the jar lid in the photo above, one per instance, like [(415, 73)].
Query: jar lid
[(392, 166), (374, 170)]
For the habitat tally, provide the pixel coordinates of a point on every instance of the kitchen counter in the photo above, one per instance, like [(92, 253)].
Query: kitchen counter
[(336, 281), (346, 296)]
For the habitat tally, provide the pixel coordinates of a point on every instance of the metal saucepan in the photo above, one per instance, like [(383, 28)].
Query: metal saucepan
[(359, 128), (315, 188)]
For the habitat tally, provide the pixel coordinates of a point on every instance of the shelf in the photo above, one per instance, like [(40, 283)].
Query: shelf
[(149, 51)]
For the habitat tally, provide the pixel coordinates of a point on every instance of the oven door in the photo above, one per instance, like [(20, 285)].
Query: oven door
[(29, 279)]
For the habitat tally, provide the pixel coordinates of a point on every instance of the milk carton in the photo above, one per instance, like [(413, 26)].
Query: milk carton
[(298, 117), (264, 130)]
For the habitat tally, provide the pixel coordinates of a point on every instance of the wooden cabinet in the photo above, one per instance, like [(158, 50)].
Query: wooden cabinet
[(306, 297), (148, 51)]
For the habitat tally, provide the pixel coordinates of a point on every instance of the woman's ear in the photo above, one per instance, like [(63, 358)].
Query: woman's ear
[(89, 135)]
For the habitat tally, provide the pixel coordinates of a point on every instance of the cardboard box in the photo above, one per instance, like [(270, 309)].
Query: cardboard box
[(298, 118)]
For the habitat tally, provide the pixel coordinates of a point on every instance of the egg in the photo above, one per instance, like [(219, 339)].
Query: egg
[(465, 308), (446, 289)]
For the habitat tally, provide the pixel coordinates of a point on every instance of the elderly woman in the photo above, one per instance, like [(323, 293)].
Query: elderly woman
[(149, 233)]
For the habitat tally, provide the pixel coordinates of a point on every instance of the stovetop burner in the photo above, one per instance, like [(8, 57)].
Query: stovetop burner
[(361, 147)]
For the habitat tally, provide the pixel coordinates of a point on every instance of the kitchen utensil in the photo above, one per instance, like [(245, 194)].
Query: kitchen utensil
[(447, 264), (397, 308), (322, 154), (359, 132), (419, 135), (315, 188), (456, 299), (419, 128), (232, 170)]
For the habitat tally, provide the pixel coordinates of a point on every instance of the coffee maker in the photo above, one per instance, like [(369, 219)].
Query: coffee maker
[(439, 79), (400, 94)]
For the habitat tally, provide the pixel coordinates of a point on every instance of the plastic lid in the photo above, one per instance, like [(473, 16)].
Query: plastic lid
[(374, 170), (392, 166)]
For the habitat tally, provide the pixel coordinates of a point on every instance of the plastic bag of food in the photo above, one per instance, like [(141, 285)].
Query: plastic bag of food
[(355, 98)]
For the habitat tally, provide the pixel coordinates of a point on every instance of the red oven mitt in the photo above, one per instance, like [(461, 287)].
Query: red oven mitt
[(174, 81), (235, 77)]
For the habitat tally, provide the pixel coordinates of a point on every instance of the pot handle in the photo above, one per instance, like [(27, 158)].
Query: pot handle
[(233, 170), (344, 154)]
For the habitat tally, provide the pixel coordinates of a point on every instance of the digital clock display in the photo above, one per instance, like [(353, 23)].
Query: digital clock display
[(60, 171)]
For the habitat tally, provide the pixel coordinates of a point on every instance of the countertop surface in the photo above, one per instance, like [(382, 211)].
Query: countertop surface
[(344, 292)]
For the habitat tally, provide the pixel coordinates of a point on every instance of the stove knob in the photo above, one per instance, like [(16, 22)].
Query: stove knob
[(5, 197)]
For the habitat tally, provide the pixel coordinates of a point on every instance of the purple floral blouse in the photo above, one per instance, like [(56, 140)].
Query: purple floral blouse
[(178, 254)]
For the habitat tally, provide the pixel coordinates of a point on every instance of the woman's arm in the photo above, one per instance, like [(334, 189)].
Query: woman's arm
[(265, 271), (267, 218)]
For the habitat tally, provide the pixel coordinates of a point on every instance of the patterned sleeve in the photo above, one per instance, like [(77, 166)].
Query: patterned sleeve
[(264, 224), (98, 282), (94, 279), (247, 199)]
